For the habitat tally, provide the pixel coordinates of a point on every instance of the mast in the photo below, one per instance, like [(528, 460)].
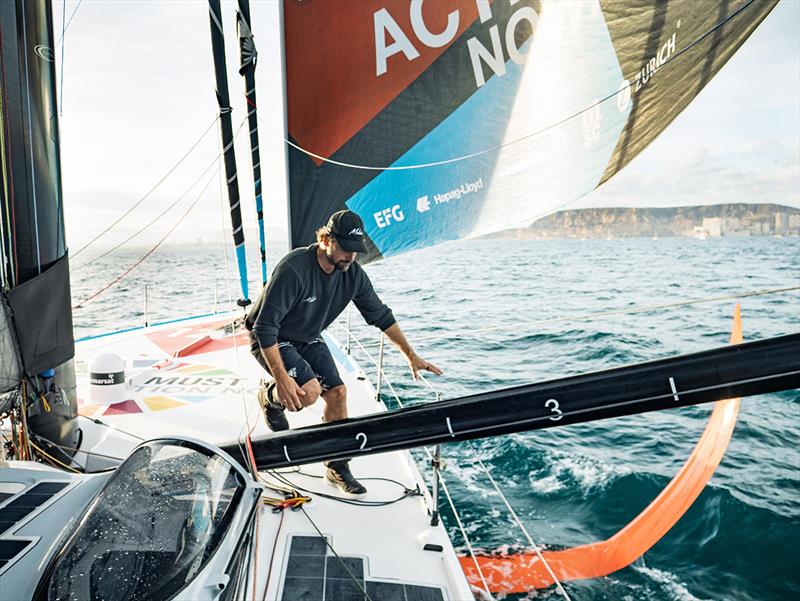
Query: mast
[(248, 57), (226, 132), (747, 369), (34, 254)]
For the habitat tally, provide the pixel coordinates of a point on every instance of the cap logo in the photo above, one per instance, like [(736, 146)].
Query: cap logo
[(355, 231)]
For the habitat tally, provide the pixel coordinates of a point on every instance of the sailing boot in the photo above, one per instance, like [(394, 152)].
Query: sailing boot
[(339, 474), (272, 407)]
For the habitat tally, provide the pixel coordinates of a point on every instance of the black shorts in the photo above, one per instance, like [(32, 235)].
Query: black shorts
[(304, 361)]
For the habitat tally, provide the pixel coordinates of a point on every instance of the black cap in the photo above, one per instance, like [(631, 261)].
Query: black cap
[(348, 229)]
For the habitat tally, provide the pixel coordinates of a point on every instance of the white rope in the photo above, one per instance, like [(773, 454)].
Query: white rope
[(223, 228), (66, 26), (519, 523), (535, 547), (375, 363), (441, 476), (464, 534)]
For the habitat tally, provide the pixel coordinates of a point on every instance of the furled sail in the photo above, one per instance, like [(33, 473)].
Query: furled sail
[(457, 118), (34, 274)]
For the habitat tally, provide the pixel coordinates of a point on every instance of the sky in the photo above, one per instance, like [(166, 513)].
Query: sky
[(138, 91)]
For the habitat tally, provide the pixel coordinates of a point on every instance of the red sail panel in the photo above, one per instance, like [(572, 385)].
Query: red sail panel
[(524, 572), (332, 94)]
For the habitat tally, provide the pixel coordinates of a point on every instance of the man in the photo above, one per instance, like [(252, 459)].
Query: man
[(310, 287)]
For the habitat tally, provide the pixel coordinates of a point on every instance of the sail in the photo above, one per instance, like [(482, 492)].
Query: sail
[(524, 571), (34, 273), (444, 120), (10, 368)]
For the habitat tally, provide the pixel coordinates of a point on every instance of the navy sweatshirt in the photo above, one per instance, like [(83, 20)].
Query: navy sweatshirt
[(301, 300)]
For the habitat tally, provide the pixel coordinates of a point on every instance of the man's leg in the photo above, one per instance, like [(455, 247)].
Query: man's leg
[(334, 392), (335, 403), (300, 371)]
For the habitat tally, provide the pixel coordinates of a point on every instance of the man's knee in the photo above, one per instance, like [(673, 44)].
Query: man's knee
[(312, 390), (337, 395)]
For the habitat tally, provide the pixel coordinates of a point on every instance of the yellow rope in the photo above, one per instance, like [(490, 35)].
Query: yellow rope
[(53, 459)]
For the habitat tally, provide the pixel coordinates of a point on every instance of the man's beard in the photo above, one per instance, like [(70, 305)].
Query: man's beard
[(342, 265)]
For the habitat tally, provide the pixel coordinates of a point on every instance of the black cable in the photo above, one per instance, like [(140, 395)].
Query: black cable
[(408, 492), (120, 430), (357, 582)]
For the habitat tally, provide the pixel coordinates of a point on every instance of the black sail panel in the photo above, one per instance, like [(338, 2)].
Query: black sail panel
[(668, 52)]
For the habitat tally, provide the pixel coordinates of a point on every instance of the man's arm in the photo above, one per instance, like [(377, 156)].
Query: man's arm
[(288, 391), (415, 362)]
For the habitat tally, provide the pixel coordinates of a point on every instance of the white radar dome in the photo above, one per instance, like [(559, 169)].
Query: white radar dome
[(107, 379)]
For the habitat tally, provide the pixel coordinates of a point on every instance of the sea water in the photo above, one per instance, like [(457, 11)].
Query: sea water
[(498, 313)]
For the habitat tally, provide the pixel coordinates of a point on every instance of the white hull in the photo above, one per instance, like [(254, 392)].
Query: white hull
[(209, 394)]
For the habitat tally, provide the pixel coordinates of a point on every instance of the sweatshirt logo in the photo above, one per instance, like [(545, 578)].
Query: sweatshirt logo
[(310, 299)]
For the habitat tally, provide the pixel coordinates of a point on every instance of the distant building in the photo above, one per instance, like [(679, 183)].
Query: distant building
[(712, 226)]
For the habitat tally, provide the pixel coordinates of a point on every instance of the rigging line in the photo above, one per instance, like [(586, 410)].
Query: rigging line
[(241, 439), (373, 361), (52, 459), (513, 513), (255, 550), (341, 561), (64, 448), (535, 547), (407, 492), (72, 16), (630, 311), (114, 428), (465, 537), (143, 229), (63, 30), (626, 86), (153, 189), (148, 253)]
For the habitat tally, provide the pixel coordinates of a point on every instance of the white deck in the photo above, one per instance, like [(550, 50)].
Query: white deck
[(210, 394)]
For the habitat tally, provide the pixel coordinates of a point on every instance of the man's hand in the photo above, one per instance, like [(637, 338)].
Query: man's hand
[(289, 393), (416, 363)]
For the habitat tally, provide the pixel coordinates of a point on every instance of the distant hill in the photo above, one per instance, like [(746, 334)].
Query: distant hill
[(700, 222)]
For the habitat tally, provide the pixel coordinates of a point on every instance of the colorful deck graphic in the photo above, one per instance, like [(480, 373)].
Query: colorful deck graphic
[(176, 386)]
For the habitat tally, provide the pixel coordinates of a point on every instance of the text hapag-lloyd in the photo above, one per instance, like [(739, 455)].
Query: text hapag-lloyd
[(386, 27), (384, 217), (457, 193)]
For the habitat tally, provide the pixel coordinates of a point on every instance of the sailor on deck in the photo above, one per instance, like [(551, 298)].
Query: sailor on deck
[(310, 287)]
